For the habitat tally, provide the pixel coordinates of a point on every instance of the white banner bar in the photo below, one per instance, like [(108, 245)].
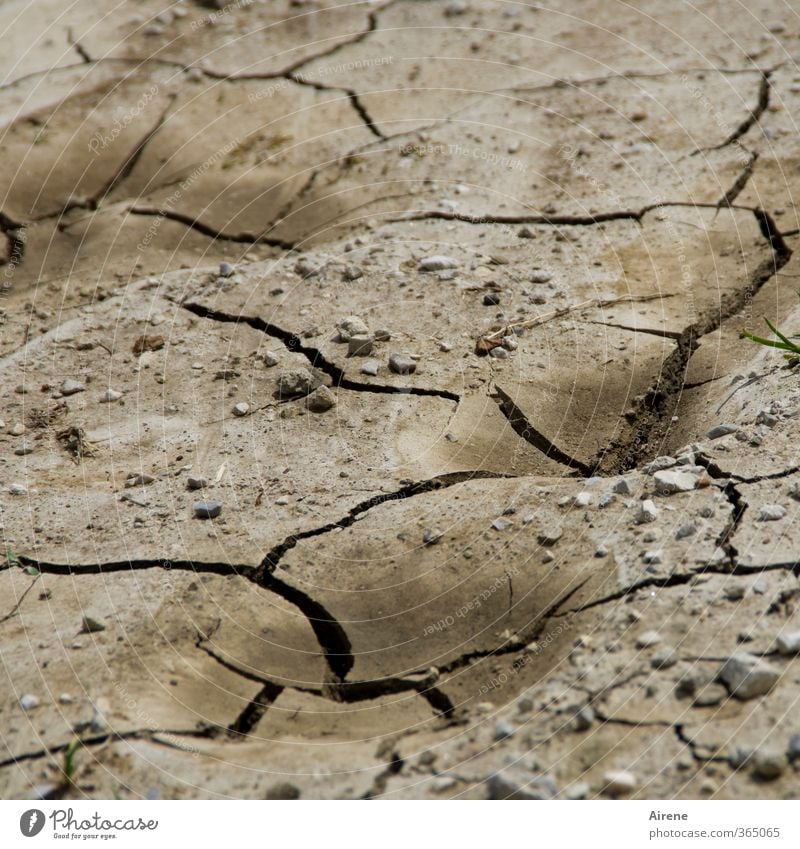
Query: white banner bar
[(353, 825)]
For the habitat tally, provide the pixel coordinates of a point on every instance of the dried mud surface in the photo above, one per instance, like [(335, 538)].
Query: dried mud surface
[(468, 579)]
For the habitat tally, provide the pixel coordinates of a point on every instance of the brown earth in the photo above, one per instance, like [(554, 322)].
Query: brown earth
[(466, 580)]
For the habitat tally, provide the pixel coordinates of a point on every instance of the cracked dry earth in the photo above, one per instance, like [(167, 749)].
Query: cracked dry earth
[(566, 569)]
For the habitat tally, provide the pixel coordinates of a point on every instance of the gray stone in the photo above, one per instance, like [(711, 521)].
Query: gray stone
[(269, 359), (722, 430), (550, 536), (647, 512), (670, 482), (653, 557), (578, 790), (515, 785), (28, 702), (663, 659), (193, 483), (90, 625), (771, 512), (431, 537), (352, 272), (320, 400), (747, 676), (622, 487), (241, 409), (352, 326), (18, 429), (503, 730), (207, 509), (659, 464), (359, 346), (295, 383), (226, 269), (110, 396), (788, 643), (400, 364), (648, 639), (438, 262), (540, 277), (17, 489), (501, 524), (768, 765), (370, 367), (619, 782), (23, 448), (686, 530), (710, 695), (71, 387)]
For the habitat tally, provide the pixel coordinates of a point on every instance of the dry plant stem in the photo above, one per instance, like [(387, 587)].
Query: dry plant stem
[(549, 316)]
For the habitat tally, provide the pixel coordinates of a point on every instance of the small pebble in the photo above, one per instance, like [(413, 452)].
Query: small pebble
[(207, 509), (17, 489), (91, 626), (653, 557), (583, 499), (788, 643), (722, 430), (110, 396), (295, 383), (663, 659), (491, 299), (503, 730), (359, 346), (647, 512), (659, 464), (771, 512), (320, 400), (241, 409), (747, 676), (686, 530), (226, 269), (370, 367), (28, 702), (431, 537), (18, 429), (767, 765), (619, 782), (269, 359), (352, 326), (621, 487), (669, 482), (437, 263), (400, 364), (71, 387), (193, 483), (501, 524), (647, 639)]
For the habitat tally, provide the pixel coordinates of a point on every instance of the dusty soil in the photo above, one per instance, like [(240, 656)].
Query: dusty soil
[(531, 574)]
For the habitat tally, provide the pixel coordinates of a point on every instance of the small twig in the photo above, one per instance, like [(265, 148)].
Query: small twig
[(491, 340), (15, 609)]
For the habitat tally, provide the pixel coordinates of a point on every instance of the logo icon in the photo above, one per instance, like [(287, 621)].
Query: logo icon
[(31, 822)]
